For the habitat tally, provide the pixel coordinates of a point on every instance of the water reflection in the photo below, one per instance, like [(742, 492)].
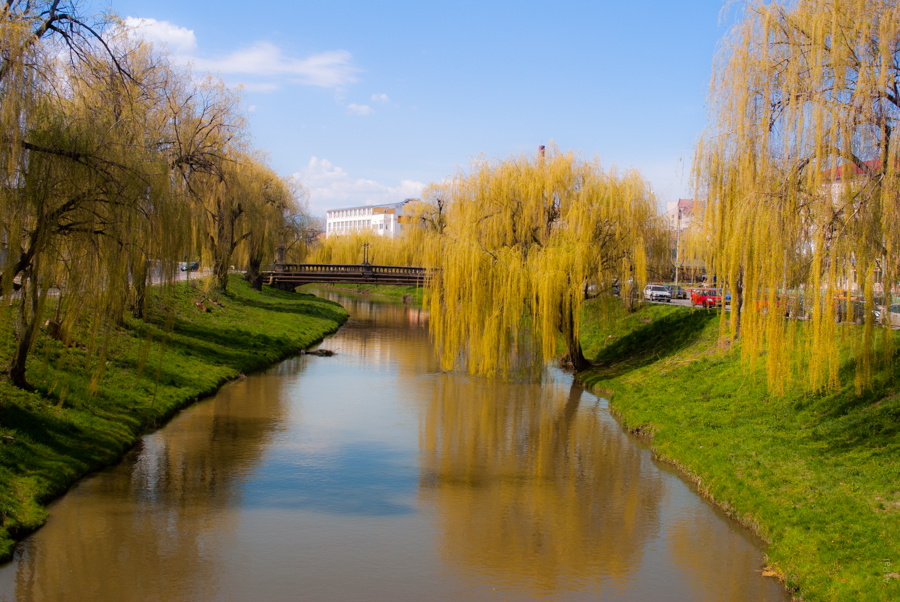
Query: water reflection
[(359, 478), (152, 524), (384, 335), (372, 475), (529, 488), (706, 547)]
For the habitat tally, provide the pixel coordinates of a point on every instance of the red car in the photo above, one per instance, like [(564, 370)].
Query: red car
[(707, 297)]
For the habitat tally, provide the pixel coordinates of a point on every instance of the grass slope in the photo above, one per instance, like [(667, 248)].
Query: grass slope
[(816, 475), (72, 426)]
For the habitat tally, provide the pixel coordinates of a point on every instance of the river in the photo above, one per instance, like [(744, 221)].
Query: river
[(372, 475)]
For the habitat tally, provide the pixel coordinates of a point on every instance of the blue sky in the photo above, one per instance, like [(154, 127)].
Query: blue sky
[(368, 101)]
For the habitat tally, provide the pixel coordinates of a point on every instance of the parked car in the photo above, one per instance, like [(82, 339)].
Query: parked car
[(677, 292), (892, 316), (190, 267), (657, 292), (853, 310), (706, 297), (786, 306)]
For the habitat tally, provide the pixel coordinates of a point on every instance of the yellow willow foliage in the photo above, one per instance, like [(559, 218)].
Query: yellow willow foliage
[(800, 177), (521, 241), (350, 248), (275, 213)]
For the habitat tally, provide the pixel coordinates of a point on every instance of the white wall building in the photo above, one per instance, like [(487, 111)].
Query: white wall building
[(384, 220), (679, 214)]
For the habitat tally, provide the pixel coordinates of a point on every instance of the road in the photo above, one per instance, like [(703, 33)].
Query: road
[(682, 303)]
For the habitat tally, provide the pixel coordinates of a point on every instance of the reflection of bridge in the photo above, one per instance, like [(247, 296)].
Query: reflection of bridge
[(294, 274)]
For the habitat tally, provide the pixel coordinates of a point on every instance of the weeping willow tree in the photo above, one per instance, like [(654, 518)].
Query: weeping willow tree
[(518, 243), (113, 161), (276, 220), (78, 167), (800, 173)]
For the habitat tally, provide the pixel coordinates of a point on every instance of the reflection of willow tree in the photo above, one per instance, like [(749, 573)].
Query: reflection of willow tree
[(716, 559), (154, 533), (381, 334), (527, 485)]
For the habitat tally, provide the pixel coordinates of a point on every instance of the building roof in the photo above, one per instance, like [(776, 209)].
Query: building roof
[(872, 166), (687, 206), (403, 202)]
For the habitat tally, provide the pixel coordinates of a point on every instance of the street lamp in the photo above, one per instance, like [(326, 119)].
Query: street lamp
[(678, 244)]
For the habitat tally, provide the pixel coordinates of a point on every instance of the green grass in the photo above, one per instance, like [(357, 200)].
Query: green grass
[(388, 291), (51, 438), (816, 475)]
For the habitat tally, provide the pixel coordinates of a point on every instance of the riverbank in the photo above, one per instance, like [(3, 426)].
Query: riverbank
[(82, 419), (393, 292), (815, 475)]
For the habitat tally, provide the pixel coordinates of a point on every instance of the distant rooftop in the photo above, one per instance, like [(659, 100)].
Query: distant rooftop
[(872, 166), (403, 202)]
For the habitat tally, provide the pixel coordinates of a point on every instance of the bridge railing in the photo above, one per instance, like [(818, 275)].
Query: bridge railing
[(332, 268)]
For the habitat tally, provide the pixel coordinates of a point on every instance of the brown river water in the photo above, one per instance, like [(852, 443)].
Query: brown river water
[(372, 475)]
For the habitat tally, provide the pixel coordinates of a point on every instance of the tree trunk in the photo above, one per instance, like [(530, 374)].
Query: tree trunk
[(220, 273), (629, 297), (573, 345), (254, 277), (737, 302), (140, 287), (26, 329), (222, 247)]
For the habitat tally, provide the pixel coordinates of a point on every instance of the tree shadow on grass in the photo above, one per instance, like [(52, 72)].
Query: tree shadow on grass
[(47, 440), (235, 348), (656, 340), (847, 419), (313, 307)]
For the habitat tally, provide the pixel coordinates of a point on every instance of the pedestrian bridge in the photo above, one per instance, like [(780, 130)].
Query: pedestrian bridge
[(289, 275)]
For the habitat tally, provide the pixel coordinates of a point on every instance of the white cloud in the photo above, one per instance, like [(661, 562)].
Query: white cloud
[(179, 40), (331, 69), (360, 109), (330, 187), (382, 98)]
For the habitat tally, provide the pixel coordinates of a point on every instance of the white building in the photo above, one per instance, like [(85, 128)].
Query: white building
[(384, 220), (679, 214)]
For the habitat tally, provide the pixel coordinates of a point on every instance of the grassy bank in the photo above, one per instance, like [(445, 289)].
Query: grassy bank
[(395, 292), (81, 419), (816, 475)]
